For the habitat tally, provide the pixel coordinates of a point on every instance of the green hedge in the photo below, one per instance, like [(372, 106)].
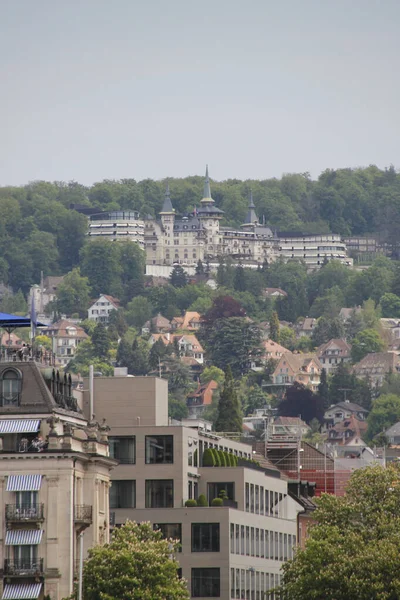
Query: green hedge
[(202, 500), (191, 502)]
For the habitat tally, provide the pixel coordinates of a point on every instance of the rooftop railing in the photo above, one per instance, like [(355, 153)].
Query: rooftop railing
[(27, 354)]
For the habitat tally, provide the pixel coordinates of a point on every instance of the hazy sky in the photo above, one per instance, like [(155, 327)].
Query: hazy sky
[(96, 89)]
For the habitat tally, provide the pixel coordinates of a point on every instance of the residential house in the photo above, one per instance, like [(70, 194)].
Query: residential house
[(188, 345), (393, 434), (273, 350), (301, 368), (198, 400), (190, 321), (273, 293), (44, 293), (392, 327), (233, 551), (342, 411), (157, 324), (65, 339), (288, 426), (349, 432), (306, 327), (100, 310), (334, 353), (55, 477), (376, 365), (346, 313)]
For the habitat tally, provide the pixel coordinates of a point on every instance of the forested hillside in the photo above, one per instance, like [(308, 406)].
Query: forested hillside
[(39, 232)]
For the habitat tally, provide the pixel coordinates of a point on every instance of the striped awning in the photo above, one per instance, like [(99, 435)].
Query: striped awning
[(23, 483), (21, 591), (23, 537), (19, 425)]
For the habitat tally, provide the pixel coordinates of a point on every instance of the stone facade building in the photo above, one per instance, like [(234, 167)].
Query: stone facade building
[(54, 482)]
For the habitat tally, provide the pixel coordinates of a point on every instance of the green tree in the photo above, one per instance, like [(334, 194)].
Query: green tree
[(327, 329), (158, 351), (178, 277), (73, 294), (100, 341), (353, 550), (149, 570), (14, 303), (229, 416), (134, 356), (199, 268), (255, 398), (323, 389), (274, 327), (365, 342), (385, 413), (287, 338), (239, 282), (100, 263), (132, 260), (138, 311), (390, 305), (86, 356), (213, 373), (116, 318)]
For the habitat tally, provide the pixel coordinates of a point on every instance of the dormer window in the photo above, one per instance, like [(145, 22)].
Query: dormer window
[(10, 387)]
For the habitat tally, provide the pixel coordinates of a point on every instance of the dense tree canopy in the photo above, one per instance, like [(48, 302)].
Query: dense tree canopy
[(353, 551)]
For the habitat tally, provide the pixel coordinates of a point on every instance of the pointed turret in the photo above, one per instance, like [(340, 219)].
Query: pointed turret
[(251, 216), (167, 207), (207, 189)]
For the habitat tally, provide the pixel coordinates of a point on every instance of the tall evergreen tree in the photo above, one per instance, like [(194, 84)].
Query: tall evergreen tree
[(239, 282), (323, 389), (274, 327), (199, 268), (101, 341), (229, 417), (178, 277)]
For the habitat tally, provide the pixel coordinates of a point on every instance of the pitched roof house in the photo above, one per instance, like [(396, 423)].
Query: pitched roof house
[(333, 353), (157, 324), (301, 368), (273, 293), (346, 313), (306, 327), (348, 432), (101, 308), (188, 344), (343, 410), (273, 350), (190, 321), (376, 365), (198, 400), (66, 337), (392, 326)]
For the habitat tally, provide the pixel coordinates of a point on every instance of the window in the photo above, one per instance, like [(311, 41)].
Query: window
[(10, 387), (123, 449), (160, 449), (123, 494), (232, 538), (159, 493), (214, 490), (206, 583), (252, 497), (170, 531), (205, 537), (25, 557), (252, 541)]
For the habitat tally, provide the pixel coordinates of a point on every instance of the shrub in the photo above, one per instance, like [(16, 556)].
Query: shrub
[(208, 458), (217, 458), (202, 500), (222, 458), (223, 494), (232, 462), (191, 502), (217, 502)]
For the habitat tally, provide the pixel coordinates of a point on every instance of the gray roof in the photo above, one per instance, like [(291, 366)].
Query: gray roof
[(167, 205), (393, 430), (188, 223), (209, 209), (251, 216), (349, 406), (207, 188)]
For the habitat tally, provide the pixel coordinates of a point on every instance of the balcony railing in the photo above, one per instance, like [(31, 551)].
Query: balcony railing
[(23, 568), (44, 357), (83, 513), (24, 512)]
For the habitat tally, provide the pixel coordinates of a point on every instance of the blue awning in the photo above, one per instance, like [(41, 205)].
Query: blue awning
[(19, 425), (21, 591), (23, 537), (24, 483)]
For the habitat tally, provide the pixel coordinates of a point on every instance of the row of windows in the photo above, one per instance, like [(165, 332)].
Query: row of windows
[(159, 449), (265, 502), (252, 541), (205, 536), (253, 585), (159, 493)]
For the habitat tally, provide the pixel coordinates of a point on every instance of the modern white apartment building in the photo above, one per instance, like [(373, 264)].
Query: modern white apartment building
[(54, 483), (117, 225), (313, 249), (232, 551)]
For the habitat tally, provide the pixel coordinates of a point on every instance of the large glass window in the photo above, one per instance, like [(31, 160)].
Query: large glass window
[(159, 493), (214, 490), (205, 537), (123, 449), (206, 583), (10, 388), (170, 531), (159, 449), (123, 494)]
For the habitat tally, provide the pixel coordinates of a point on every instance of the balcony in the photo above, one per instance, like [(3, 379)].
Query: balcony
[(83, 514), (24, 513), (23, 568)]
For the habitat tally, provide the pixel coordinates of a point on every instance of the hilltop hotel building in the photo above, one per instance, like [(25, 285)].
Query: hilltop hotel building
[(199, 236)]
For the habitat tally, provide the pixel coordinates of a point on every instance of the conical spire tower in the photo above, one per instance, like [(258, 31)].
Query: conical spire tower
[(167, 207), (251, 216), (207, 190)]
